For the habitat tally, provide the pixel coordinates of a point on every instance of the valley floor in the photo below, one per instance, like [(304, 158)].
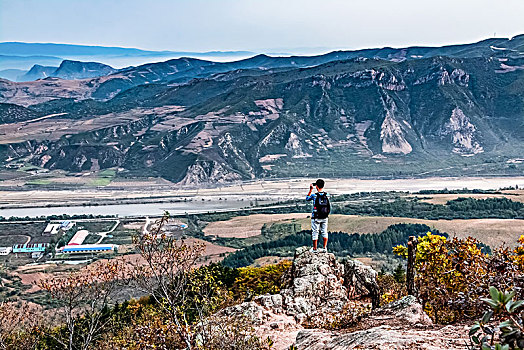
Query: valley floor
[(238, 195)]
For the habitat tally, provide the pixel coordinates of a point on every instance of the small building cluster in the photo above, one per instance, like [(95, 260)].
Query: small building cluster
[(74, 246), (35, 249)]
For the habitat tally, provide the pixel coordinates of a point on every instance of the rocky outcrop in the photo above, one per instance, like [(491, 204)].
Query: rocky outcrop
[(316, 291), (404, 311), (385, 338), (400, 325), (319, 288), (268, 321), (316, 288), (392, 133), (208, 171)]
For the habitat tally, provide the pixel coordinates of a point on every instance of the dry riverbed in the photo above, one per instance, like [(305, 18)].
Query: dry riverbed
[(154, 191)]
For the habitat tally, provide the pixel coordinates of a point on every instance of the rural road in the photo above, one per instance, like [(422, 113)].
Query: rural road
[(104, 234)]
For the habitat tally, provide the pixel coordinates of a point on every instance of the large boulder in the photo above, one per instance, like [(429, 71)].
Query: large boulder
[(361, 279), (281, 328), (405, 311), (316, 288)]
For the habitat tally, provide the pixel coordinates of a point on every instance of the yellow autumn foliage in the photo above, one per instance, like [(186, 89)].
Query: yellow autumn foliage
[(446, 270), (260, 280)]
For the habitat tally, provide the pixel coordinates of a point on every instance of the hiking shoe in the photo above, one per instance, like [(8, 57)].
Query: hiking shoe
[(313, 250), (322, 250)]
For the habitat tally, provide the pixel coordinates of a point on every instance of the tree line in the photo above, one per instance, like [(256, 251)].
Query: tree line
[(340, 243), (460, 208)]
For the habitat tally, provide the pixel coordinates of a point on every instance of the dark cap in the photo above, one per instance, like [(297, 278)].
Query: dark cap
[(320, 183)]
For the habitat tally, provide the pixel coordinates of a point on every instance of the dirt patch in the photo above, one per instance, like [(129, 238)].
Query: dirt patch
[(33, 278), (213, 253), (134, 226)]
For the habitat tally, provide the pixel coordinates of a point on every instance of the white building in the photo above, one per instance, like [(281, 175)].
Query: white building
[(67, 225), (5, 250), (36, 255), (52, 228)]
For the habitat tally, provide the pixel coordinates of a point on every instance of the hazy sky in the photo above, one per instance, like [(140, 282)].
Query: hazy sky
[(259, 25)]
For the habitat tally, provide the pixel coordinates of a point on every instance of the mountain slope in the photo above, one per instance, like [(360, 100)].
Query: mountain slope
[(80, 70), (10, 113), (12, 74), (182, 70), (355, 117), (37, 72)]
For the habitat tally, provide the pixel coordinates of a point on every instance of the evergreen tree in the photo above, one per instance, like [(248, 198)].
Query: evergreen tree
[(399, 274)]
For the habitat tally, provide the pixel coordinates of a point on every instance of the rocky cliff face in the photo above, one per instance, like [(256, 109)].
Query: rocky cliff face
[(463, 133), (320, 289)]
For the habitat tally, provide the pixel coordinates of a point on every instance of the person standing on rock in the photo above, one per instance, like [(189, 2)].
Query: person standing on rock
[(319, 214)]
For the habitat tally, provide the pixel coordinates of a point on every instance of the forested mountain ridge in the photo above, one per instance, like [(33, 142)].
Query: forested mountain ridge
[(195, 121)]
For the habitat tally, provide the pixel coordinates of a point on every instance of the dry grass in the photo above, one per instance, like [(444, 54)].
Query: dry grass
[(493, 232), (248, 226), (9, 240), (270, 260)]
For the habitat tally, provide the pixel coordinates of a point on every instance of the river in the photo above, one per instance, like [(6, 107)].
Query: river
[(126, 210), (266, 191)]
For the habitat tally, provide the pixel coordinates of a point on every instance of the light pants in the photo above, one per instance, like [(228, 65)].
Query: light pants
[(319, 225)]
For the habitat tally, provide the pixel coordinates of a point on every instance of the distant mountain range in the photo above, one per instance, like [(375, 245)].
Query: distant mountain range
[(23, 56), (68, 70), (417, 111)]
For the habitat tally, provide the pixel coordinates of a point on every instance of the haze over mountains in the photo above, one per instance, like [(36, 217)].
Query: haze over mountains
[(22, 57), (450, 110)]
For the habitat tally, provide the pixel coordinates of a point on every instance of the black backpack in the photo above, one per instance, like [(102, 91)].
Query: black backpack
[(322, 206)]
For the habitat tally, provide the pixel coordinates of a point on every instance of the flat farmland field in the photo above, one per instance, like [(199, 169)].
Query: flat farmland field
[(493, 232), (9, 240), (248, 226)]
